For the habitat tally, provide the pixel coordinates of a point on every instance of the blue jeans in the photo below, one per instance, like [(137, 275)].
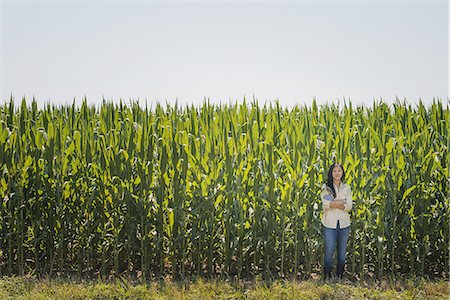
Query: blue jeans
[(332, 237)]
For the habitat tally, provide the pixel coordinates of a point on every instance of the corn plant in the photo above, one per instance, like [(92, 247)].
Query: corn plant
[(220, 190)]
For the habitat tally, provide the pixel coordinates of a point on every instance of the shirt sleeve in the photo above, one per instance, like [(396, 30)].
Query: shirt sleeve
[(325, 203), (348, 197)]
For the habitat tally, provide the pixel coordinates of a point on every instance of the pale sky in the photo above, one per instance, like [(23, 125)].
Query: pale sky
[(292, 51)]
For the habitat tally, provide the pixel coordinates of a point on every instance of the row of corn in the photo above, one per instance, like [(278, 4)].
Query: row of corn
[(220, 190)]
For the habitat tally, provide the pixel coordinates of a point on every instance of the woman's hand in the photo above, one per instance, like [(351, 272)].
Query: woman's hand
[(341, 207), (337, 203)]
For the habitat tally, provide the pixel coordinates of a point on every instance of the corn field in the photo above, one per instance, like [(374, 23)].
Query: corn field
[(220, 190)]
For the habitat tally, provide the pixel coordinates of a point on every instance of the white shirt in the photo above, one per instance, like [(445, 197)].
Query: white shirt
[(330, 215)]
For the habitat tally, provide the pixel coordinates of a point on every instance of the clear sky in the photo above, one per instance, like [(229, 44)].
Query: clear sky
[(166, 50)]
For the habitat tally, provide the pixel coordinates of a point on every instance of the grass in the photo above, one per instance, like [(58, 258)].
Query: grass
[(32, 288)]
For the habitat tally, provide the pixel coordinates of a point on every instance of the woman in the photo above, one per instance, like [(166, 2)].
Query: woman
[(337, 201)]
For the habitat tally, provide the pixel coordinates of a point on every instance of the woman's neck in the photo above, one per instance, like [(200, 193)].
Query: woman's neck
[(337, 182)]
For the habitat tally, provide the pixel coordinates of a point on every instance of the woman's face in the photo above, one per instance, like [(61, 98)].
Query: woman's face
[(337, 173)]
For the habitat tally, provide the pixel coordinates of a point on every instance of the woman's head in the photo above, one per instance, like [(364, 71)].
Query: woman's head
[(336, 173)]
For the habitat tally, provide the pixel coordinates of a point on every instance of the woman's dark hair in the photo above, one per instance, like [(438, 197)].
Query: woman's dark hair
[(330, 177)]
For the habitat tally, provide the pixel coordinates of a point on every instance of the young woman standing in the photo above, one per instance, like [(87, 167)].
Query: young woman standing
[(337, 202)]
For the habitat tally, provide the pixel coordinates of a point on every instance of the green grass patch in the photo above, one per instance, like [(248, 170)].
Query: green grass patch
[(32, 288)]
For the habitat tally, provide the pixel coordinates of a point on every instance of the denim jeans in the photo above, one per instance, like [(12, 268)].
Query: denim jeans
[(335, 237)]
